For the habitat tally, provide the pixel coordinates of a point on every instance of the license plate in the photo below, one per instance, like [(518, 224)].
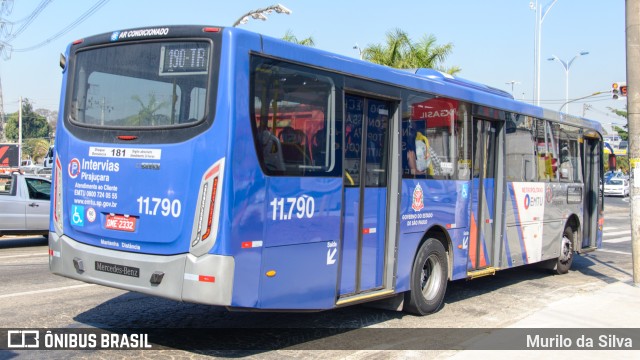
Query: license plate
[(121, 223), (117, 269)]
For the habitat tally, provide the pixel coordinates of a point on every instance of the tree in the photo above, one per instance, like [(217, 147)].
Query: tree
[(35, 149), (624, 133), (34, 126), (52, 119), (290, 37), (147, 114), (401, 52)]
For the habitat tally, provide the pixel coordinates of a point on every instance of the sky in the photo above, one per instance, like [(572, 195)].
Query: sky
[(493, 40)]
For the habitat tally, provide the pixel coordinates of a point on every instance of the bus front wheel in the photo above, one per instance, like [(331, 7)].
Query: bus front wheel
[(428, 279)]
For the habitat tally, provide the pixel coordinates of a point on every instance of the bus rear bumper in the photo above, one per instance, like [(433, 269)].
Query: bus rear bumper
[(207, 279)]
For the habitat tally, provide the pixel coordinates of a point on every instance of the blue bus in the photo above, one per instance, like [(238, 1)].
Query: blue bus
[(219, 166)]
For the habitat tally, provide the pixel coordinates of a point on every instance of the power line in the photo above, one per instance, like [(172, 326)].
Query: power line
[(602, 97), (611, 114), (69, 27), (29, 19)]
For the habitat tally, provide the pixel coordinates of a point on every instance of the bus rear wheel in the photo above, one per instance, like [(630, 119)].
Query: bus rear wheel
[(566, 253), (428, 279)]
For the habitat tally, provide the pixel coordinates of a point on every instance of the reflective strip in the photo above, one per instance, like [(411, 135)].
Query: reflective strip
[(206, 278), (369, 230), (212, 172), (199, 278), (54, 253), (251, 244)]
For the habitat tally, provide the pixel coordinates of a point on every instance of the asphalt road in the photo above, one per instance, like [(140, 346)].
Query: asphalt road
[(31, 297)]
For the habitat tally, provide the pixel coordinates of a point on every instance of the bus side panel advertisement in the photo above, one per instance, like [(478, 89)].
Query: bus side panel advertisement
[(528, 203), (427, 203)]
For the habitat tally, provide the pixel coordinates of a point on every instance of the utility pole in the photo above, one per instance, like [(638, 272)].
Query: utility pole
[(20, 132), (632, 14)]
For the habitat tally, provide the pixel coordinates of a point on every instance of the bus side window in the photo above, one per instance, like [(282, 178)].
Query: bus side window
[(547, 147), (570, 159), (520, 150), (290, 106), (435, 136)]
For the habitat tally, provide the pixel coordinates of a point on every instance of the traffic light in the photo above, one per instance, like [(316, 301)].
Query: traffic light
[(619, 89)]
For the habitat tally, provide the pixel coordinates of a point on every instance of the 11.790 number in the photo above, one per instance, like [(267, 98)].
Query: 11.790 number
[(150, 206), (286, 208)]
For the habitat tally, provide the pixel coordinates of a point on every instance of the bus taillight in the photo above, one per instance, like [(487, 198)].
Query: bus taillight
[(214, 191), (206, 220), (57, 197)]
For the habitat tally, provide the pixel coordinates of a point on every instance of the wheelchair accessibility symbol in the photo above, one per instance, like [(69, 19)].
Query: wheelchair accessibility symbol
[(77, 215)]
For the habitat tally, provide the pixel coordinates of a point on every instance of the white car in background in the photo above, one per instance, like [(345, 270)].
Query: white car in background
[(24, 204), (617, 186)]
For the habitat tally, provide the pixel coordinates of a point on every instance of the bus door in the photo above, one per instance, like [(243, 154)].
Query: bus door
[(592, 191), (366, 169), (483, 207)]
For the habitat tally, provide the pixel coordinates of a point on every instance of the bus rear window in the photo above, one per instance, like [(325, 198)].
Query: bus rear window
[(141, 85)]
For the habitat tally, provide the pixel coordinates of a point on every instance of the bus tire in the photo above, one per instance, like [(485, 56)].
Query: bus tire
[(428, 279), (564, 261)]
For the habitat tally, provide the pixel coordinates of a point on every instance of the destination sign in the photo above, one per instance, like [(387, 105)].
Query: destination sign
[(186, 58)]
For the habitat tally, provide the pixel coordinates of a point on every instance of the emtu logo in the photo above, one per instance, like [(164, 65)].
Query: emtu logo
[(74, 168)]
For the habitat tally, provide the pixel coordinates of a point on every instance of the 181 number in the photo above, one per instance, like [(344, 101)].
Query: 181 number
[(118, 152), (287, 208)]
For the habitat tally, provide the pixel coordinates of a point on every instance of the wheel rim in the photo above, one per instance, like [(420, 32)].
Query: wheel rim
[(567, 252), (431, 278)]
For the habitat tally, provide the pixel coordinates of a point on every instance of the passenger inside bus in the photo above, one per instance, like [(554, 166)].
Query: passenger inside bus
[(319, 147), (419, 153), (566, 167), (293, 143), (271, 147)]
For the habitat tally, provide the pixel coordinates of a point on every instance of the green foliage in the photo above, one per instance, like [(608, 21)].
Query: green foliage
[(401, 52), (290, 37), (621, 113), (624, 133), (147, 114), (33, 125), (35, 149)]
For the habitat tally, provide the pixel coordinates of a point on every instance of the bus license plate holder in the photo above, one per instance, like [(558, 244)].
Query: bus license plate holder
[(120, 223)]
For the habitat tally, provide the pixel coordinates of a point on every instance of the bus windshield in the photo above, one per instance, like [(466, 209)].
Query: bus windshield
[(150, 84)]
